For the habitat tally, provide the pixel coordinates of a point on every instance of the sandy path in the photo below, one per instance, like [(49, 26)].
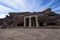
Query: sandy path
[(29, 34)]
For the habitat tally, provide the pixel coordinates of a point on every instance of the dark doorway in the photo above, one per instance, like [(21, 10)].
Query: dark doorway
[(27, 21), (33, 21), (20, 24)]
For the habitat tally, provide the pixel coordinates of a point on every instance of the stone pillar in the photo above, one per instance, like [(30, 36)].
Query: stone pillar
[(29, 21), (37, 24), (24, 22)]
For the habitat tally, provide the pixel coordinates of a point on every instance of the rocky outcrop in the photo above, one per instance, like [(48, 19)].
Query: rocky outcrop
[(46, 17)]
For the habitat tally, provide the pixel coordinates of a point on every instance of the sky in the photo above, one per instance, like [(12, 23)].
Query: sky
[(7, 6)]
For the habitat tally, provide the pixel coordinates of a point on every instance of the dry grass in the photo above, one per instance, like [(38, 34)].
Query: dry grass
[(29, 34)]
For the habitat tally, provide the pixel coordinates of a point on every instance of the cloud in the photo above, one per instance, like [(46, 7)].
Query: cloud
[(58, 8), (5, 9), (26, 5), (2, 15), (46, 6), (10, 4)]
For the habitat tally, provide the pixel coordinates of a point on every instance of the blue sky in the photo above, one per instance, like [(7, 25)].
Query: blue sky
[(7, 6)]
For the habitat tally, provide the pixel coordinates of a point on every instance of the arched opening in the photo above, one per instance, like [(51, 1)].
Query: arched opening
[(33, 21), (27, 22)]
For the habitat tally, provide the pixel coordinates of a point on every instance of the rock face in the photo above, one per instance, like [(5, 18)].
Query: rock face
[(46, 17)]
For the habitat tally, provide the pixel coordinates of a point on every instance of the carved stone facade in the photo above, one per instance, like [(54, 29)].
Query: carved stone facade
[(30, 19)]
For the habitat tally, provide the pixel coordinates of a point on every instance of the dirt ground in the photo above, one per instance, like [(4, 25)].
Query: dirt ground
[(29, 34)]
